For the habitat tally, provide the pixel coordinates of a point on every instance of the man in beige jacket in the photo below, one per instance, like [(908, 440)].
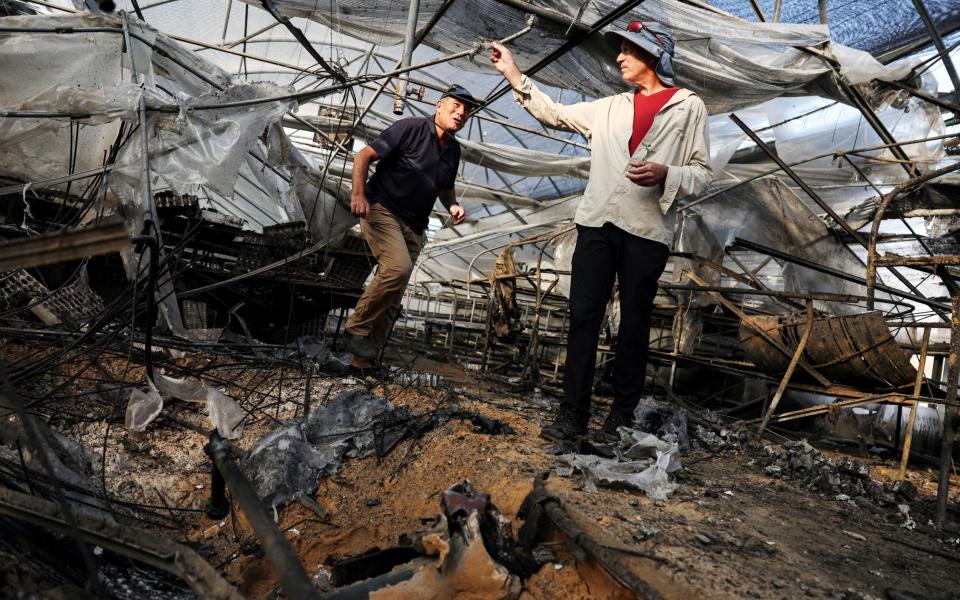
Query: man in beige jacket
[(648, 148)]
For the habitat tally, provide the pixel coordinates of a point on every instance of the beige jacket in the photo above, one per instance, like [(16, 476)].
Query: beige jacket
[(677, 138)]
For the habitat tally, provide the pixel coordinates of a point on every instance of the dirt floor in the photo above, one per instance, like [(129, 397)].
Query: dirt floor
[(730, 530)]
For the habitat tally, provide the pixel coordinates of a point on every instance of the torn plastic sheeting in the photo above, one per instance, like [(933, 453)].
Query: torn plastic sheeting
[(641, 445), (730, 62), (35, 76), (841, 127), (188, 389), (142, 408), (660, 418), (327, 218), (651, 479), (224, 413), (290, 461), (202, 147), (768, 212), (649, 474)]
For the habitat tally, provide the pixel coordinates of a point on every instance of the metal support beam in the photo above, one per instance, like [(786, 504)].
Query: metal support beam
[(860, 103), (748, 245), (271, 8), (797, 179), (936, 101), (751, 323), (949, 412), (399, 98), (941, 49), (758, 11), (64, 245), (794, 360), (911, 421), (547, 14), (816, 197)]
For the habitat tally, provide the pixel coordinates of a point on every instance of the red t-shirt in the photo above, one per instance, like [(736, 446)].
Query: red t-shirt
[(645, 108)]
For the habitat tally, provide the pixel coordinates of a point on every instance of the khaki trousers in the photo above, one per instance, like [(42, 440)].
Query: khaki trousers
[(396, 247)]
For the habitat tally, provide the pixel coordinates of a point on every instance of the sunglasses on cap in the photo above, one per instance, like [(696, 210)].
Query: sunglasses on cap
[(638, 26)]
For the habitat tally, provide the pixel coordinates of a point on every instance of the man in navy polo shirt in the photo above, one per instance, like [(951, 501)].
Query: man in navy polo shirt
[(418, 158)]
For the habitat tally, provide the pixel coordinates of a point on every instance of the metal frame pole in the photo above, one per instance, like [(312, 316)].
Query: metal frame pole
[(400, 96), (281, 556), (949, 412), (941, 49)]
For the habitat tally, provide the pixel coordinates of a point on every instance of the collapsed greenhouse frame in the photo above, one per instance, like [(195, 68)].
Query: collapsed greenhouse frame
[(158, 205)]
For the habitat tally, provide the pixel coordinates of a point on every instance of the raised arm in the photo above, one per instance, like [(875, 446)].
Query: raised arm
[(567, 117), (359, 205)]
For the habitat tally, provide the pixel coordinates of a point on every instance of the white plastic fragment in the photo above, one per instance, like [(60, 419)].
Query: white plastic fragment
[(224, 413), (188, 389), (643, 462), (142, 408)]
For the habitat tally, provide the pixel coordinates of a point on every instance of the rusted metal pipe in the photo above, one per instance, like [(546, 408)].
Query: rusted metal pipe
[(283, 560), (794, 360), (908, 438), (949, 414), (878, 217)]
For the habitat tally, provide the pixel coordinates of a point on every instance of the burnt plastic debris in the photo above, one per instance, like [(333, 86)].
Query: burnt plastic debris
[(462, 500), (641, 461), (291, 460), (661, 419), (842, 477)]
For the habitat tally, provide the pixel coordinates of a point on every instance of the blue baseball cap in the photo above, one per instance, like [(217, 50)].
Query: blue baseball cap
[(462, 94)]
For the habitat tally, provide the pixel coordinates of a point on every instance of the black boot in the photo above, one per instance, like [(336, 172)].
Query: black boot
[(566, 426), (360, 345), (608, 431)]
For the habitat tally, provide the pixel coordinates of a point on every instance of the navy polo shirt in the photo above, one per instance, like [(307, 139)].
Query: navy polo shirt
[(412, 170)]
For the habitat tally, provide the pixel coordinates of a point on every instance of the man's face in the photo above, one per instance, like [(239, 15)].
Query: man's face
[(635, 63), (452, 114)]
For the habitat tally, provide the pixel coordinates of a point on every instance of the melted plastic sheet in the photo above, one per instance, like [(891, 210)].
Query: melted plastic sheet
[(731, 62), (767, 212), (291, 460), (641, 461)]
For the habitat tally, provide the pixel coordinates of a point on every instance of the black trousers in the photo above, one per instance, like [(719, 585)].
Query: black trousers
[(601, 254)]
